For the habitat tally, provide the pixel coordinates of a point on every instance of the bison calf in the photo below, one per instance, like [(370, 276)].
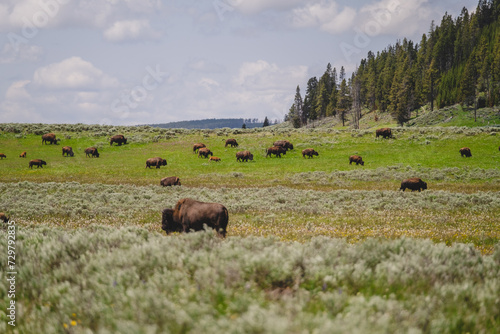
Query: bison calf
[(4, 217), (22, 155), (465, 151), (37, 162), (170, 181), (309, 152), (216, 159), (413, 183), (357, 159), (189, 214), (2, 156)]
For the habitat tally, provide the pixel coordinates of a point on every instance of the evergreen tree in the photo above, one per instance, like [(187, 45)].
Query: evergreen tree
[(344, 101), (244, 126), (309, 106), (266, 122)]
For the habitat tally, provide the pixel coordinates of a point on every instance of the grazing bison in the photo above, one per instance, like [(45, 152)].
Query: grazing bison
[(284, 143), (204, 152), (231, 142), (119, 139), (357, 159), (2, 156), (197, 146), (384, 132), (22, 155), (310, 152), (49, 138), (465, 151), (37, 162), (91, 151), (4, 217), (68, 150), (413, 183), (216, 159), (189, 214), (244, 156), (276, 150), (170, 181), (156, 162)]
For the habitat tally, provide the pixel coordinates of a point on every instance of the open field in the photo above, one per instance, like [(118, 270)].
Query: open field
[(314, 245)]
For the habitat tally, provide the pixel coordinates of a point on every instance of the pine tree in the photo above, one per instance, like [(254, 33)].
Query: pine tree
[(309, 107), (266, 122), (244, 126), (344, 101)]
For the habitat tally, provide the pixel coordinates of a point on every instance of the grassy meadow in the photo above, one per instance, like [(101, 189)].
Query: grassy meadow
[(314, 245)]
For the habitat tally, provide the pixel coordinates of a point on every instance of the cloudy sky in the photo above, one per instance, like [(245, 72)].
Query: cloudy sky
[(128, 62)]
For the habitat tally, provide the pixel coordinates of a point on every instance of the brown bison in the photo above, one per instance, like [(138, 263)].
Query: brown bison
[(91, 151), (244, 156), (119, 139), (384, 132), (22, 155), (216, 159), (156, 162), (231, 142), (357, 159), (189, 214), (170, 181), (50, 138), (68, 150), (310, 152), (413, 183), (197, 146), (2, 156), (276, 150), (284, 143), (4, 218), (465, 151), (204, 152), (37, 162)]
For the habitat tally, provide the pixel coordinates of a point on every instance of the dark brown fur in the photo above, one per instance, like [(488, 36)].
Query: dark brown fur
[(119, 139), (37, 162), (244, 156), (197, 146), (68, 150), (157, 162), (276, 150), (4, 218), (49, 138), (465, 151), (189, 214), (310, 152), (91, 151), (284, 143), (414, 184), (384, 132), (2, 156), (231, 142), (23, 155), (357, 159), (170, 181), (204, 152)]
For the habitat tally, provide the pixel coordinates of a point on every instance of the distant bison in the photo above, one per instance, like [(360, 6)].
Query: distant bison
[(284, 143), (157, 162), (49, 138), (384, 132), (68, 150), (4, 218), (119, 139), (357, 159), (170, 181), (22, 155), (2, 156), (197, 146), (310, 152), (37, 162), (189, 214), (276, 150), (231, 142), (244, 156), (413, 183), (216, 159), (204, 152), (92, 152), (465, 151)]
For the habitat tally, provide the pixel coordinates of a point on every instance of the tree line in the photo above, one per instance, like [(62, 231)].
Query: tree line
[(455, 62)]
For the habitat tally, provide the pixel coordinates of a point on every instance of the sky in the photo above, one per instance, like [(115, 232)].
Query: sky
[(128, 62)]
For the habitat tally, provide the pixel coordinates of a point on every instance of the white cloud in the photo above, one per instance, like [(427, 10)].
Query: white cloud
[(261, 75), (324, 15), (17, 91), (258, 6), (130, 30), (24, 53), (73, 73)]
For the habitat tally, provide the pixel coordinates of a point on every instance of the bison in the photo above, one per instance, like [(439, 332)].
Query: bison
[(91, 151), (276, 150), (37, 162), (384, 132), (156, 162), (189, 214), (284, 143), (197, 146), (244, 156), (2, 156), (119, 139), (216, 159), (170, 181), (310, 152), (231, 142), (357, 159), (50, 138), (413, 183), (204, 152), (22, 155), (68, 150), (4, 217), (465, 151)]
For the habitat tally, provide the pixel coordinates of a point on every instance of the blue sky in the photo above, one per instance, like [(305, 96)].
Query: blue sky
[(128, 62)]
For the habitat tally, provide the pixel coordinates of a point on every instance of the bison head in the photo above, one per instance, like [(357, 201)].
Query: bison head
[(163, 162), (250, 156), (168, 223), (424, 185), (43, 162)]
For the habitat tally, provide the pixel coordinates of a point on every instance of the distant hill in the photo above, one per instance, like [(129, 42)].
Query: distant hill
[(213, 123)]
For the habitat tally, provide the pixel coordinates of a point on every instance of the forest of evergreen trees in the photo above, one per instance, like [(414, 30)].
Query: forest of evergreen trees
[(456, 62)]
